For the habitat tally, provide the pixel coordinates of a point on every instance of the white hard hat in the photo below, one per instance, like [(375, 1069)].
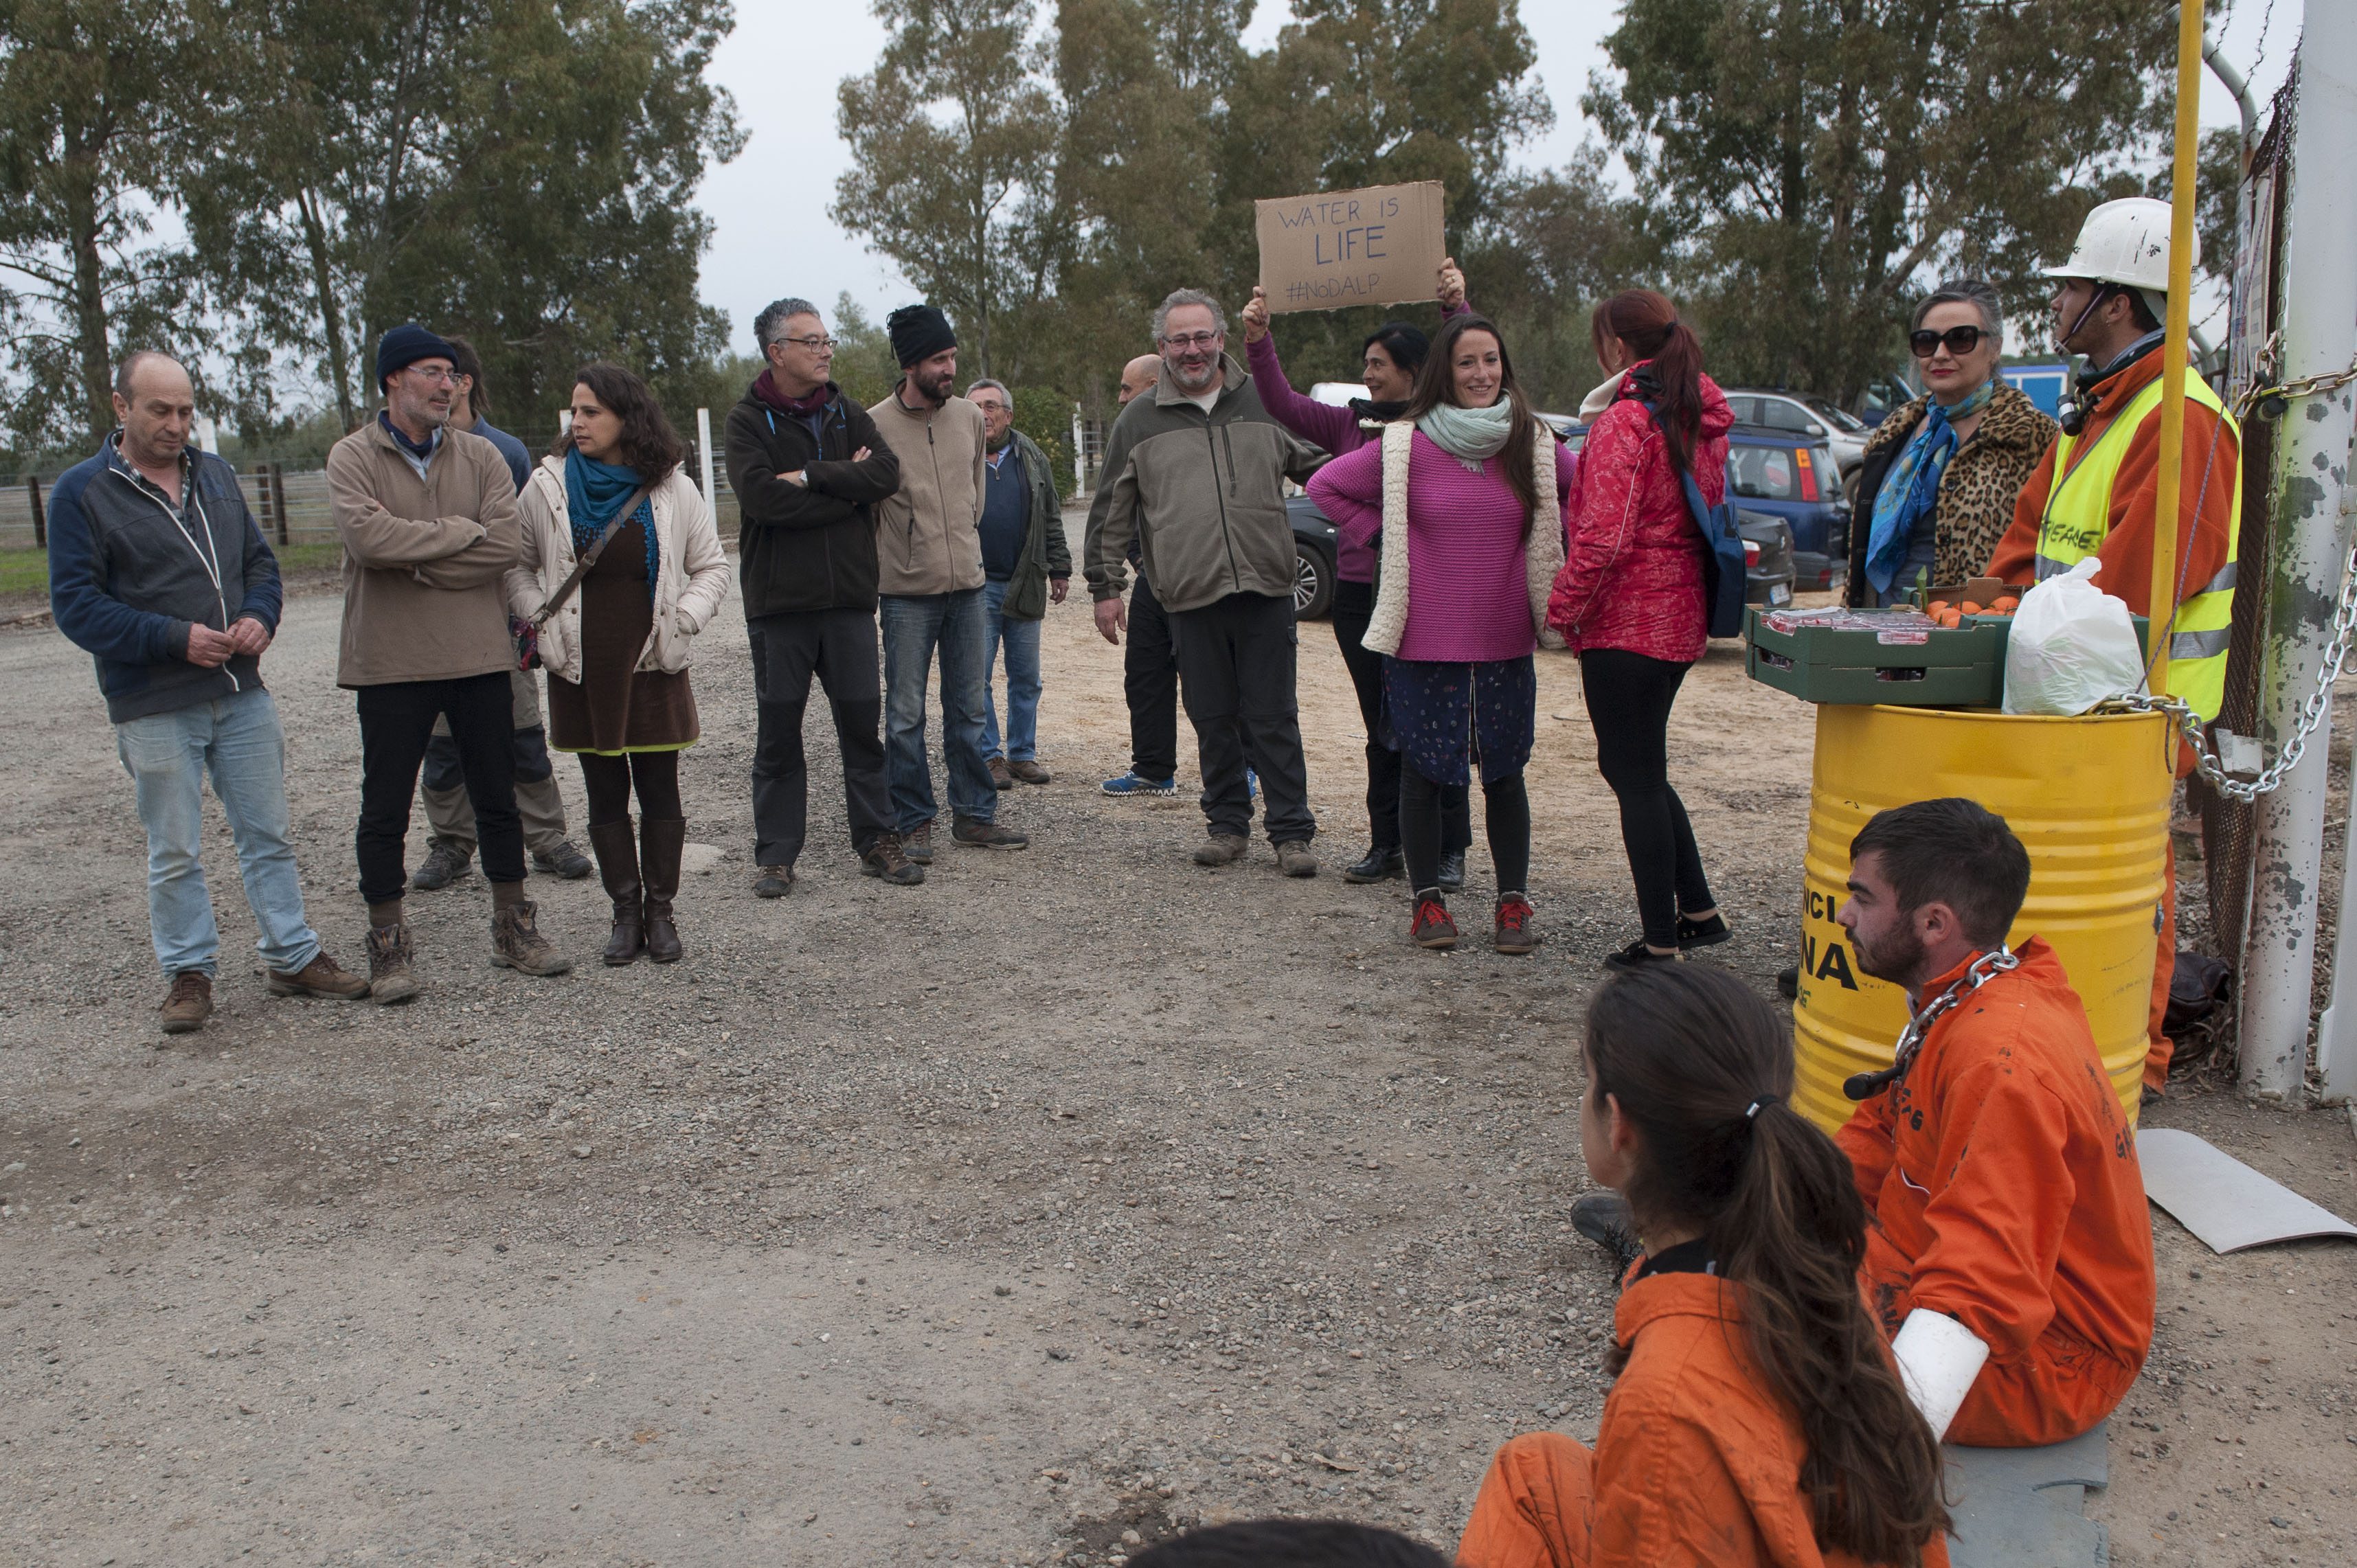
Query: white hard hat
[(2125, 242)]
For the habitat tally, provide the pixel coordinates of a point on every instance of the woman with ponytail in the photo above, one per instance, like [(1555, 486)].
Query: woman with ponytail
[(1630, 599), (1757, 1417)]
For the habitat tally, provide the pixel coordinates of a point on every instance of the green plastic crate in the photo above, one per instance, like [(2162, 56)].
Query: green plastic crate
[(1910, 663)]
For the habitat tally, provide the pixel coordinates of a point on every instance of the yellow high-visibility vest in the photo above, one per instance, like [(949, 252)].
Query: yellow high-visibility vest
[(2079, 514)]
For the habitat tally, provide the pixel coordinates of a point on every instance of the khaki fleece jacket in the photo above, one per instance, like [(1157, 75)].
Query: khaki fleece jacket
[(929, 532), (1204, 493), (422, 558)]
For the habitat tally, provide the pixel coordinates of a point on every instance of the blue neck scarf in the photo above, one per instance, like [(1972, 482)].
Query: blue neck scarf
[(1910, 487), (594, 492)]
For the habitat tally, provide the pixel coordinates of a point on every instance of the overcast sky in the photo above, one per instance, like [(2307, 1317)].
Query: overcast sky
[(773, 237)]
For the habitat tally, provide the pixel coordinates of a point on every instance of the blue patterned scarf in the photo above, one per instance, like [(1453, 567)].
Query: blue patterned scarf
[(594, 492), (1910, 487)]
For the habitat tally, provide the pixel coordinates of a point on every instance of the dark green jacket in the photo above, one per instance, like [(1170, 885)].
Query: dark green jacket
[(1045, 554)]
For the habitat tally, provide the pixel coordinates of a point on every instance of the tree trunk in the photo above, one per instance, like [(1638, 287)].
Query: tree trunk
[(331, 316), (82, 223)]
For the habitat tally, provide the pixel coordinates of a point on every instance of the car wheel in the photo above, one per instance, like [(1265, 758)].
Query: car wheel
[(1313, 582)]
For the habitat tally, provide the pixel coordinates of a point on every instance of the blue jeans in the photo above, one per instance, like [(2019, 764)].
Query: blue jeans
[(1022, 640), (238, 741), (915, 625)]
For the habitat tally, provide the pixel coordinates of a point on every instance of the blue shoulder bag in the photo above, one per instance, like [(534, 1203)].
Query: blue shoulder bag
[(1723, 568)]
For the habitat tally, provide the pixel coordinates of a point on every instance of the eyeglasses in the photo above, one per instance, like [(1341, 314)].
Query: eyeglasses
[(449, 377), (815, 345), (1193, 340), (1959, 339)]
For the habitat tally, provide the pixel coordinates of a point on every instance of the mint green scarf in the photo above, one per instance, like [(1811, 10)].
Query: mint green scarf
[(1469, 434)]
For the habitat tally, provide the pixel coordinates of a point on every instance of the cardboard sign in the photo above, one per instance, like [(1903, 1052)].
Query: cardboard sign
[(1382, 245)]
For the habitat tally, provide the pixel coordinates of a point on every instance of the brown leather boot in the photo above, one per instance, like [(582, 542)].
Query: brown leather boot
[(660, 846), (617, 849)]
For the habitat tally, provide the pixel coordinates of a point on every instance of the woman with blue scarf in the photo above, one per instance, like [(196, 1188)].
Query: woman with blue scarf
[(1937, 484), (617, 647)]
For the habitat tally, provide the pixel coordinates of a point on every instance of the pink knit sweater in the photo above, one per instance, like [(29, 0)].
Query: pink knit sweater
[(1469, 600)]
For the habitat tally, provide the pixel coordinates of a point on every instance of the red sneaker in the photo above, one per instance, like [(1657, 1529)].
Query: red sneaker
[(1432, 927), (1513, 931)]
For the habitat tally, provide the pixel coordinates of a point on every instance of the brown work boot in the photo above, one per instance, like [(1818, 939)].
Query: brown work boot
[(1029, 772), (917, 844), (1295, 859), (891, 863), (323, 977), (516, 941), (1001, 776), (187, 1004), (1221, 849), (392, 974), (616, 848), (663, 845), (986, 835)]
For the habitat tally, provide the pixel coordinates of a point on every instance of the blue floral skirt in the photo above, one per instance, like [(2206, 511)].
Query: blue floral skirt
[(1445, 717)]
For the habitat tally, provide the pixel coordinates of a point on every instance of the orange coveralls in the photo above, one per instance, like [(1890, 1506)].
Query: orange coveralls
[(2003, 1181), (2211, 469), (1696, 1463)]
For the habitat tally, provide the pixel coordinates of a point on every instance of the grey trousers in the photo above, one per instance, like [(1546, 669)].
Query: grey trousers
[(450, 816)]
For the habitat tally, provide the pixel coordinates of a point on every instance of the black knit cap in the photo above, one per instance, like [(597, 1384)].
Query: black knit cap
[(405, 346), (919, 332)]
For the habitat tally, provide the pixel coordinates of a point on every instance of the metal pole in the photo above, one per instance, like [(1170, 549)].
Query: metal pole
[(2168, 479), (2245, 105), (704, 457), (2309, 487)]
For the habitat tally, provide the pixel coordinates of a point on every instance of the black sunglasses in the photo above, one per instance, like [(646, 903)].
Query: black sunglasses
[(1959, 339)]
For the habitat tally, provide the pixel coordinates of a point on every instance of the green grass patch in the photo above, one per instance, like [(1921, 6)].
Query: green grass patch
[(25, 573)]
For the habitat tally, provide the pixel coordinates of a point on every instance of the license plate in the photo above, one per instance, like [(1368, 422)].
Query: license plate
[(1779, 593)]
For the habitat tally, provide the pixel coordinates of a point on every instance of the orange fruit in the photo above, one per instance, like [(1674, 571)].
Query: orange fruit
[(1935, 607), (2007, 606), (1968, 607)]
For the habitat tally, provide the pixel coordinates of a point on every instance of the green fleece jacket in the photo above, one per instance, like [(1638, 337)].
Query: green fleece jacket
[(1203, 492)]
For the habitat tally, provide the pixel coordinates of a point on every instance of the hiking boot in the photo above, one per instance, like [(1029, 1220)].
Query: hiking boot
[(1221, 849), (1702, 933), (323, 977), (1001, 776), (663, 847), (1637, 955), (618, 867), (1378, 864), (985, 835), (1432, 928), (1027, 771), (1294, 858), (392, 974), (889, 861), (774, 881), (565, 860), (1135, 783), (1452, 871), (917, 844), (516, 941), (1512, 933), (187, 1004), (444, 863), (1604, 1219)]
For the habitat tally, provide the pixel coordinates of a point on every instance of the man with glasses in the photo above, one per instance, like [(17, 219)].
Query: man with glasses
[(808, 469), (1197, 469), (428, 520), (1026, 567)]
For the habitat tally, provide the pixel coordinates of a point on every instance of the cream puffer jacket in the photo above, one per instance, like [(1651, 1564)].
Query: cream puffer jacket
[(691, 573)]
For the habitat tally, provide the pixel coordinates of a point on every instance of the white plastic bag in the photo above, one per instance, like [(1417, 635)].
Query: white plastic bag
[(2071, 646)]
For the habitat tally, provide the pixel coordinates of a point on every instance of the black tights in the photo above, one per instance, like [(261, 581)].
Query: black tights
[(1628, 699), (1505, 817), (610, 779)]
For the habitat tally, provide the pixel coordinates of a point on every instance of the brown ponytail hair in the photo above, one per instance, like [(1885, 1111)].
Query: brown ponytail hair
[(1436, 383), (1688, 1052), (1647, 323)]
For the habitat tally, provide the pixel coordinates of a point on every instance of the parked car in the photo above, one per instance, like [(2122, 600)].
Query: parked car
[(1314, 547), (1802, 413), (1767, 558)]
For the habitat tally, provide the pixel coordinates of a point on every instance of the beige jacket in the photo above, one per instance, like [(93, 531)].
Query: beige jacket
[(692, 572), (929, 534), (422, 558)]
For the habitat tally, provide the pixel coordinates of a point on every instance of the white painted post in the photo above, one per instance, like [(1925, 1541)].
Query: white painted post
[(1079, 453), (704, 455), (2311, 554)]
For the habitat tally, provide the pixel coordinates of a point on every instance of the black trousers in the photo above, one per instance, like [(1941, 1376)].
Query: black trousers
[(1505, 818), (1628, 700), (396, 723), (1236, 662), (1354, 606), (1150, 679), (839, 648)]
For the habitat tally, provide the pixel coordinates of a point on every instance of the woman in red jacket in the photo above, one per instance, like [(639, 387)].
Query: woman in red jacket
[(1630, 598)]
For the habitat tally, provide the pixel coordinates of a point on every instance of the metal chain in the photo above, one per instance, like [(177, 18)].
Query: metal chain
[(2277, 397), (2312, 711)]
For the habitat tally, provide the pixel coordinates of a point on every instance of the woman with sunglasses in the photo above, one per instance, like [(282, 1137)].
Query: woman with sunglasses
[(1936, 486)]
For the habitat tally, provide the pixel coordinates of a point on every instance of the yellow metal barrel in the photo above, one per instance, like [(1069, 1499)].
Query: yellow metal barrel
[(2088, 796)]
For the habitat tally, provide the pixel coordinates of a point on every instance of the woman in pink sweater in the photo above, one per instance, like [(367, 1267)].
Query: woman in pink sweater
[(1465, 492)]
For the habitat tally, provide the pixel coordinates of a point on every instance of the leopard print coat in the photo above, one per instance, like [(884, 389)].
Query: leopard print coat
[(1976, 493)]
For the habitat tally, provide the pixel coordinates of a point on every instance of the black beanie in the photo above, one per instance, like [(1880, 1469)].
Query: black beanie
[(919, 332), (405, 346)]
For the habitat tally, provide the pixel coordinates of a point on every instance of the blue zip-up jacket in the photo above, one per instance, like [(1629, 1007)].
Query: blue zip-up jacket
[(127, 578)]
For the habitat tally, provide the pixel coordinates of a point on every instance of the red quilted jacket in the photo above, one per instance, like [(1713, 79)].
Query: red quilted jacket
[(1631, 575)]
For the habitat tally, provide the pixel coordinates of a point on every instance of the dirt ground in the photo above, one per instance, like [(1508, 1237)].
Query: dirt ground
[(1016, 1219)]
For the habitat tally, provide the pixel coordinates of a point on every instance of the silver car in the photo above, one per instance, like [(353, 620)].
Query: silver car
[(1805, 413)]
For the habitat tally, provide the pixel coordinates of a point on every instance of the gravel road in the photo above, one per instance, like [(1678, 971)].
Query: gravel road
[(1014, 1219)]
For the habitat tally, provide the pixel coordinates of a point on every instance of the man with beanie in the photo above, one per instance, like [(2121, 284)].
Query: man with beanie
[(450, 817), (929, 580), (428, 520)]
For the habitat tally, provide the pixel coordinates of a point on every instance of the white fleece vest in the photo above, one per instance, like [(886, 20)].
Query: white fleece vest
[(1542, 554)]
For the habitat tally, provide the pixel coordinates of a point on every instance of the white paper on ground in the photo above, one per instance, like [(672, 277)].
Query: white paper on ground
[(2223, 1202)]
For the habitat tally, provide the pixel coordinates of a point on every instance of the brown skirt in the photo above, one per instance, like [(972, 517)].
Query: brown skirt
[(616, 707)]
